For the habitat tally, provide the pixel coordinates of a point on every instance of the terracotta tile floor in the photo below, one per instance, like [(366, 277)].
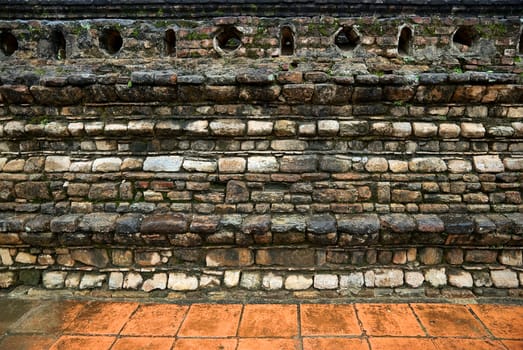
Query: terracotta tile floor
[(32, 324)]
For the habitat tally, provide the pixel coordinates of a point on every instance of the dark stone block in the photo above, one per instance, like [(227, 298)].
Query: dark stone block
[(399, 223), (363, 224), (458, 224), (91, 257), (39, 239), (128, 224), (285, 257), (205, 224), (236, 192), (483, 224), (30, 277), (98, 222), (366, 94), (39, 223), (50, 96), (229, 257), (298, 164), (429, 223), (164, 224), (65, 223), (256, 225), (481, 256), (433, 78), (255, 77), (321, 224), (33, 190)]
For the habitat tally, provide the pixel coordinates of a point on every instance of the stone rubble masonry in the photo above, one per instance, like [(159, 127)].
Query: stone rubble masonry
[(193, 170)]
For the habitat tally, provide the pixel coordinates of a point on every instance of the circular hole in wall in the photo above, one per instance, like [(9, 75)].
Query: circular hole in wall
[(170, 42), (347, 38), (58, 44), (8, 43), (228, 39), (111, 40), (405, 41), (465, 36)]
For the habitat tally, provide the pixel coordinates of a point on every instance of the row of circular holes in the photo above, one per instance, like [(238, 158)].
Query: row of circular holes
[(229, 39)]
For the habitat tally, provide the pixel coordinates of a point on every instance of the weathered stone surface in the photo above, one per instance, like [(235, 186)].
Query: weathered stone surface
[(132, 280), (250, 280), (353, 280), (232, 165), (429, 223), (488, 164), (107, 164), (164, 224), (147, 258), (431, 256), (288, 223), (298, 164), (115, 280), (256, 225), (92, 280), (298, 282), (511, 257), (472, 130), (285, 257), (65, 223), (57, 163), (227, 127), (321, 224), (103, 191), (128, 223), (271, 281), (458, 224), (363, 224), (399, 223), (388, 278), (91, 257), (504, 278), (414, 279), (229, 257), (377, 165), (325, 281), (98, 222), (33, 190), (182, 282), (460, 278), (231, 278), (163, 163), (258, 164), (53, 279), (427, 165), (5, 257), (436, 277), (200, 165), (336, 164), (205, 224)]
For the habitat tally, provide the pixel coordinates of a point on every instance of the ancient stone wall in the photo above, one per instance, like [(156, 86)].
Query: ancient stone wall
[(310, 156)]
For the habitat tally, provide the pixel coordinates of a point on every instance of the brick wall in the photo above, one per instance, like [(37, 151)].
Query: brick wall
[(383, 160)]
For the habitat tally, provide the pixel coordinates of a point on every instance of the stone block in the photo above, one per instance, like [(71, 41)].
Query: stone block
[(298, 282), (425, 129), (460, 278), (289, 145), (286, 257), (199, 165), (328, 127), (459, 166), (429, 223), (25, 258), (388, 278), (256, 224), (298, 164), (57, 163), (103, 191), (229, 257), (115, 280), (511, 257), (231, 278), (227, 127), (504, 278), (132, 280), (181, 282), (92, 257), (147, 258), (363, 224), (430, 256), (92, 280), (110, 164), (232, 165), (321, 224), (53, 279), (163, 163), (427, 165), (271, 281), (399, 223), (98, 222), (204, 224), (164, 224), (250, 280), (353, 280), (436, 277), (488, 164), (414, 279), (261, 164), (325, 281), (354, 128), (472, 130), (65, 223), (335, 164), (377, 164), (33, 190)]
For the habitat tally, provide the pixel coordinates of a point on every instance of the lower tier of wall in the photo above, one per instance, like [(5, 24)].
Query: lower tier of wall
[(297, 272)]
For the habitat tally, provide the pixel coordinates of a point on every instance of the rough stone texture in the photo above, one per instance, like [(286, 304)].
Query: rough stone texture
[(54, 279), (325, 281), (298, 282), (353, 280), (414, 279), (182, 282), (488, 164), (436, 277), (162, 163), (504, 278), (92, 257), (92, 280), (388, 278), (460, 279), (250, 280)]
